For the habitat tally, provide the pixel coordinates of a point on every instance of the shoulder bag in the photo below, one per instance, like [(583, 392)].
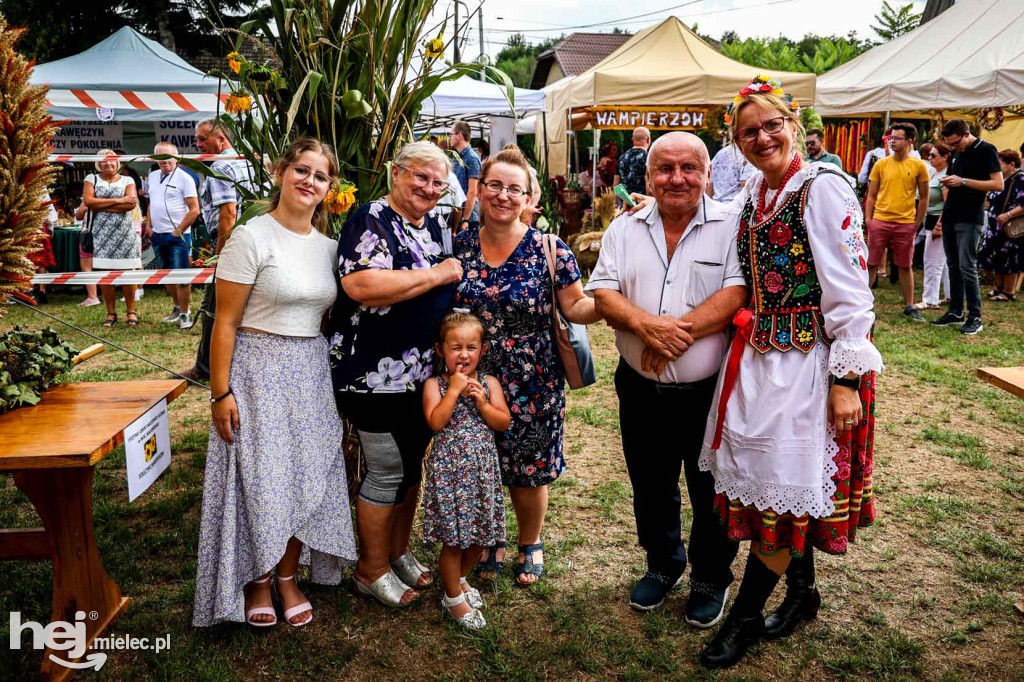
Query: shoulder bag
[(572, 339), (1014, 228)]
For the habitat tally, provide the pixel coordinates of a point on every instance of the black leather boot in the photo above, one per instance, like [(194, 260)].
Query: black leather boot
[(802, 599), (744, 625)]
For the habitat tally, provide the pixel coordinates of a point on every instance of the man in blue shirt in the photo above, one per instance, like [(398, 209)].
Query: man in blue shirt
[(468, 172)]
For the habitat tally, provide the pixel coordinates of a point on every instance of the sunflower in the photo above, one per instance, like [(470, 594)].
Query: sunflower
[(235, 61), (238, 103), (435, 48), (340, 198)]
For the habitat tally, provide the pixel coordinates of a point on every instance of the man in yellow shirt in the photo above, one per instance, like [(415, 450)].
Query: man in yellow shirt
[(890, 214)]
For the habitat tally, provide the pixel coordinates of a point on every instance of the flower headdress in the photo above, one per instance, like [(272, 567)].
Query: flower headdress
[(765, 85)]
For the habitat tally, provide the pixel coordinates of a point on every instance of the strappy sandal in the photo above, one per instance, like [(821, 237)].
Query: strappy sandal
[(528, 567), (474, 620), (132, 320), (492, 565), (410, 570), (295, 610), (387, 589), (473, 596), (110, 321), (261, 610)]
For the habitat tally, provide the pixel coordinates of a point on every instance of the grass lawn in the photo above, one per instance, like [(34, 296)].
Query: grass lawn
[(927, 593)]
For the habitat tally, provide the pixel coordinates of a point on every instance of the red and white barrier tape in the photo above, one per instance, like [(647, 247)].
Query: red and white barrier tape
[(119, 277), (132, 158)]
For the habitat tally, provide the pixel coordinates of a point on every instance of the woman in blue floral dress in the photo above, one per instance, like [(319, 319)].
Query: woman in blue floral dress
[(507, 285), (998, 254)]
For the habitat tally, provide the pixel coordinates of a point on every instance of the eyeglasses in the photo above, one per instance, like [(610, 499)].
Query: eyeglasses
[(893, 138), (932, 155), (423, 180), (302, 172), (772, 126), (495, 188), (950, 142)]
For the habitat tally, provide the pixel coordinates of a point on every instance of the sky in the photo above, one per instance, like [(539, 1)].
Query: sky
[(541, 19)]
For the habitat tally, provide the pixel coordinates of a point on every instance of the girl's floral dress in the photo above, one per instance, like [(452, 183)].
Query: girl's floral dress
[(514, 301), (463, 504)]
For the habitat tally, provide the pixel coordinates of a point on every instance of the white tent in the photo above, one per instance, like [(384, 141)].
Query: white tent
[(138, 78), (467, 96), (970, 56)]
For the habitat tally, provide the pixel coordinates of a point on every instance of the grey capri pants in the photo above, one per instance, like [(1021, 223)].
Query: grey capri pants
[(394, 436)]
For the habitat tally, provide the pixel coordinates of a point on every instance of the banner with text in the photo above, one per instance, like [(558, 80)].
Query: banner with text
[(179, 133), (654, 118), (88, 136)]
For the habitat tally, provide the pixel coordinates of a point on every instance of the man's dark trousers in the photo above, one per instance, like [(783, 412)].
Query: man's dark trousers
[(662, 429), (207, 311)]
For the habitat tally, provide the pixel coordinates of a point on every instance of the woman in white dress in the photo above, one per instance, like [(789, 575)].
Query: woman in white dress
[(797, 383)]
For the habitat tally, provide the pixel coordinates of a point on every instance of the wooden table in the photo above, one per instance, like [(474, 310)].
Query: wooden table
[(51, 449), (1007, 378)]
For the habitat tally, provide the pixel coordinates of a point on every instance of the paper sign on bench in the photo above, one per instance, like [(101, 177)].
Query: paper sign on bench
[(147, 449)]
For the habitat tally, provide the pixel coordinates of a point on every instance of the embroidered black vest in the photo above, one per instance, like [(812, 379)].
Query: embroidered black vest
[(777, 263)]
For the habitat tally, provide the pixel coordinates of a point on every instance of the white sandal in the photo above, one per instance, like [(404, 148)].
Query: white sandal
[(410, 570), (474, 620), (387, 589), (473, 596), (295, 610), (261, 610)]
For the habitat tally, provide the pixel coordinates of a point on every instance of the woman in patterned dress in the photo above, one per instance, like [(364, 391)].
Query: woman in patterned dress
[(111, 197), (506, 284), (798, 381), (997, 253)]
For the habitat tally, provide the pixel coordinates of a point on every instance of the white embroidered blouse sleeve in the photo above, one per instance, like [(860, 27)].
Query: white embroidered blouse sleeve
[(835, 229)]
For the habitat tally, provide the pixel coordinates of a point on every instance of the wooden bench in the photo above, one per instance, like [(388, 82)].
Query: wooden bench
[(1007, 378), (51, 448)]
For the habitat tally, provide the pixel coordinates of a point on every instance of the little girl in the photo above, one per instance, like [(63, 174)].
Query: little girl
[(463, 504)]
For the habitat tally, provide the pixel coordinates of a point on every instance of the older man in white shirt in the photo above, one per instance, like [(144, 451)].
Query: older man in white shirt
[(669, 282)]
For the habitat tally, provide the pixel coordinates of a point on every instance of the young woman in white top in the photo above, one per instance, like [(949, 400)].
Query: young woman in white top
[(275, 490)]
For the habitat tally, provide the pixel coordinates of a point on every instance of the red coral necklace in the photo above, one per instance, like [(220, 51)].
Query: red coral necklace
[(763, 210)]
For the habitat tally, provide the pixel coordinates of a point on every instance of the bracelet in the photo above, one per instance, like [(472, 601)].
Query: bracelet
[(217, 400), (848, 383)]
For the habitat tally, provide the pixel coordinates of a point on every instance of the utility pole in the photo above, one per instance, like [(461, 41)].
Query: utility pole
[(483, 55), (455, 40)]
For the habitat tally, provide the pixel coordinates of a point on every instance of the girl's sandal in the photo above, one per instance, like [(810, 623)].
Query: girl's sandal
[(297, 610), (110, 321), (528, 567), (261, 610), (473, 620), (492, 564), (473, 596), (132, 319)]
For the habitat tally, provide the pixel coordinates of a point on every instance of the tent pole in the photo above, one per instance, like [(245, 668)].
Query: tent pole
[(544, 126), (887, 118), (593, 158)]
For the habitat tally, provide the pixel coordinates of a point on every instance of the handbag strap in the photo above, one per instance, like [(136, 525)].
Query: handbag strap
[(548, 242), (1008, 189)]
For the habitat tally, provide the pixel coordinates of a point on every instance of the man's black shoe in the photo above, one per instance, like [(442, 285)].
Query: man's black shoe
[(650, 591), (732, 640), (705, 605), (948, 319), (972, 326)]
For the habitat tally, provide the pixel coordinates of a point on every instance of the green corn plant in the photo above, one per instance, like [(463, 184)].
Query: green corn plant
[(353, 73)]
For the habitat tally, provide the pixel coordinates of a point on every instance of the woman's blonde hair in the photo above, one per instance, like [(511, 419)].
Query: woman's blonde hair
[(290, 156), (772, 103), (105, 152), (513, 156)]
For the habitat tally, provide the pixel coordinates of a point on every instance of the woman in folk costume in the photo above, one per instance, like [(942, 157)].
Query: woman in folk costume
[(790, 436)]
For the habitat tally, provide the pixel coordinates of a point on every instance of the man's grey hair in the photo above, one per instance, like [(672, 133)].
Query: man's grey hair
[(172, 149), (423, 152), (215, 124), (665, 139)]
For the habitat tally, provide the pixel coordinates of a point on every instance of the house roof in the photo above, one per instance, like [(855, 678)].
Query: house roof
[(576, 54)]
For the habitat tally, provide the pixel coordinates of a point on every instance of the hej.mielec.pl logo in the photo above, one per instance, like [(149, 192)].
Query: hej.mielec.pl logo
[(71, 637)]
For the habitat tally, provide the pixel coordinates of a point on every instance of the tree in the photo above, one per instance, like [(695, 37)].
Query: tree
[(894, 22), (518, 59), (60, 28), (813, 53)]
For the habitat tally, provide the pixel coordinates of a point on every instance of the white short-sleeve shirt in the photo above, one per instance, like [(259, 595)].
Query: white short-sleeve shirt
[(167, 195), (634, 261), (294, 276)]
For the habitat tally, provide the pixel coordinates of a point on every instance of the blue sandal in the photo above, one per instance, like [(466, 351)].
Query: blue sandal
[(492, 565), (528, 567)]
